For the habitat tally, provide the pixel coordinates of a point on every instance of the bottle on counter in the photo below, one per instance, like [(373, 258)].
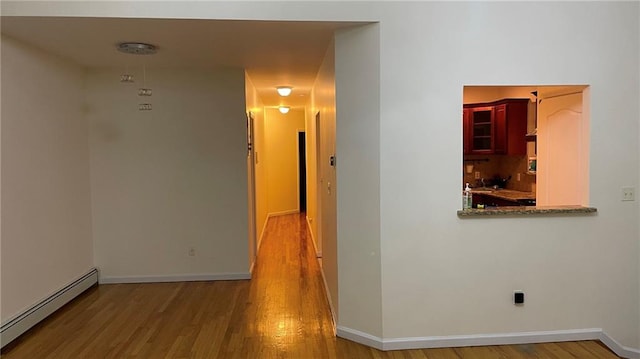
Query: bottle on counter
[(467, 198)]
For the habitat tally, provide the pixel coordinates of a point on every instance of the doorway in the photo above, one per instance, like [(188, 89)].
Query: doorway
[(302, 172)]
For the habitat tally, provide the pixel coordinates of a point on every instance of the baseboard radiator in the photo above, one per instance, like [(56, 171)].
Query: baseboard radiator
[(32, 316)]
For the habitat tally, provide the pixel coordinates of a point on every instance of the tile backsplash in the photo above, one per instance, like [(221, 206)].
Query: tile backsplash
[(502, 166)]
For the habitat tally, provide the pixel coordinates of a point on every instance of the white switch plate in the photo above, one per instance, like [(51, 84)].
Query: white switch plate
[(477, 175), (628, 194)]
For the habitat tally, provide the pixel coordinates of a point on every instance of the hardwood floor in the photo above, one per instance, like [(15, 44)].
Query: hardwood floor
[(281, 313)]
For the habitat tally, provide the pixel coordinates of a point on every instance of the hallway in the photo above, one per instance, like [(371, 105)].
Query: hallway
[(281, 313)]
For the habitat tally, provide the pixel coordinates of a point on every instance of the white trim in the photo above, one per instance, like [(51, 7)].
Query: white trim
[(22, 322), (360, 337), (283, 213), (264, 228), (313, 239), (319, 181), (618, 348), (331, 308), (491, 339), (251, 190), (452, 341), (175, 278)]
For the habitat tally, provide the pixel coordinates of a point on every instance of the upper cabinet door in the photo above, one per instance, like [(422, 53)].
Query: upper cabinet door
[(482, 130), (516, 127), (500, 123)]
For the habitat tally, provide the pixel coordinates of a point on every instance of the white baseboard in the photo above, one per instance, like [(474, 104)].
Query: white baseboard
[(175, 278), (264, 229), (283, 213), (313, 239), (19, 324), (618, 348), (491, 339), (331, 308), (487, 339), (360, 337)]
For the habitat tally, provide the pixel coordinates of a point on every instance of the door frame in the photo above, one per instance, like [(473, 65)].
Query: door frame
[(319, 182), (251, 191)]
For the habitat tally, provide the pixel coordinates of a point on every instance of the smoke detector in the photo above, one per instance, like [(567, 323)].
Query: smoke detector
[(137, 48)]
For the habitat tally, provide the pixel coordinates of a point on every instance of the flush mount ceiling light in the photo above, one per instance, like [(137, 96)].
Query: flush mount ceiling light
[(284, 109), (137, 48), (284, 90)]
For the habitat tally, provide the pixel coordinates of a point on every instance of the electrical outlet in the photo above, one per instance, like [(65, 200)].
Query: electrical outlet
[(628, 194), (518, 297), (477, 175), (192, 252), (518, 177)]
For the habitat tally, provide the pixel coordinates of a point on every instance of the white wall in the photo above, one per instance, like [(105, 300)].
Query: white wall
[(255, 106), (442, 275), (169, 179), (281, 145), (446, 276), (358, 141), (46, 209)]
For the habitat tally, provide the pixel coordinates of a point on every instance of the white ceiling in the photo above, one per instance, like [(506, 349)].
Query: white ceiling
[(273, 53)]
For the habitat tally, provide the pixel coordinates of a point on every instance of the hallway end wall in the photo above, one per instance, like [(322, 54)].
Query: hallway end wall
[(169, 180), (281, 136)]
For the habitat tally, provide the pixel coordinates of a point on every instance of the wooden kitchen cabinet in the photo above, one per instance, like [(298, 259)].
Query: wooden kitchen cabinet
[(492, 201), (482, 130), (495, 128), (465, 131)]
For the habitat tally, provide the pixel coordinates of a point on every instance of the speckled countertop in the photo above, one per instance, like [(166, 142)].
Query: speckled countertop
[(507, 194), (526, 210)]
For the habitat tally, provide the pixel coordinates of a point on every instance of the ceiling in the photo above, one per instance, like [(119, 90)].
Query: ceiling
[(273, 53)]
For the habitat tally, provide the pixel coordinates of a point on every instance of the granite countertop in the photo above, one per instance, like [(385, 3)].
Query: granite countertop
[(526, 210), (508, 194)]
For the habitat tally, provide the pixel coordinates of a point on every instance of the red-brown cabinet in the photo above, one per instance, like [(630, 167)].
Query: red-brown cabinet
[(495, 128)]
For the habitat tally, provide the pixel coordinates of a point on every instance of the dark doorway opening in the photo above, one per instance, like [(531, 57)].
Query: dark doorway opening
[(302, 171)]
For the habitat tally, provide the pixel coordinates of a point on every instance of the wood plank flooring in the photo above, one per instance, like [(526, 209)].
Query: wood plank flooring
[(281, 313)]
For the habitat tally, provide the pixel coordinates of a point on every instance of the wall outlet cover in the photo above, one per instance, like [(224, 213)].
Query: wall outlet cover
[(518, 297), (628, 194)]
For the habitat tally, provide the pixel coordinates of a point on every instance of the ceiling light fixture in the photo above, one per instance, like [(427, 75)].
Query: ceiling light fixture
[(284, 90), (284, 109), (137, 48)]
